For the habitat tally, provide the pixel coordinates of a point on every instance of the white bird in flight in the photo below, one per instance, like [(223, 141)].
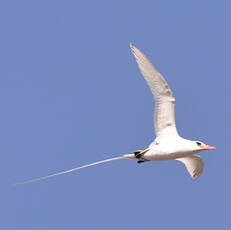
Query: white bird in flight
[(168, 145)]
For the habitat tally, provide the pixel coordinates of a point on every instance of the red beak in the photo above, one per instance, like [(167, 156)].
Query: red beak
[(207, 147)]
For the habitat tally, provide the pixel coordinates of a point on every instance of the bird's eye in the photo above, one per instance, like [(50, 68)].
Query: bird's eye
[(198, 143)]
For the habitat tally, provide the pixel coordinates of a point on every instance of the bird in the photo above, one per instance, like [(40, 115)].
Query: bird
[(168, 144)]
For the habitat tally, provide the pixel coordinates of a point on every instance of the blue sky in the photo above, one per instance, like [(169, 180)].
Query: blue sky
[(71, 93)]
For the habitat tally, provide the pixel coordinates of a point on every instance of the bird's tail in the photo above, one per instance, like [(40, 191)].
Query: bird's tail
[(126, 156)]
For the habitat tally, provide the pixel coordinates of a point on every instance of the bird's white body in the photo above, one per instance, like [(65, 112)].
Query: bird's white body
[(168, 145), (170, 149)]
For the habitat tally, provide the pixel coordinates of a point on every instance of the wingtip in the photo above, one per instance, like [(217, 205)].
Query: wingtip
[(131, 45)]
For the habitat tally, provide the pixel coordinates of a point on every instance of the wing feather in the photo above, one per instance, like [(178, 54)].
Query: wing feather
[(164, 116), (194, 165)]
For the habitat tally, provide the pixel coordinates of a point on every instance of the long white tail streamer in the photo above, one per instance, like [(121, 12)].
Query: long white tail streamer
[(126, 156)]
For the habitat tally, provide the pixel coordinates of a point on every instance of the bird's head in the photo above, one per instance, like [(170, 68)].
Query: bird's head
[(201, 146)]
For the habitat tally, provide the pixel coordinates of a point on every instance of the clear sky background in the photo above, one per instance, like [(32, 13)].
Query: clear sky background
[(71, 93)]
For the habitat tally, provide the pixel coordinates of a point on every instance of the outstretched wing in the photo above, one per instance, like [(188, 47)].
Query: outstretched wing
[(194, 165), (164, 116)]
